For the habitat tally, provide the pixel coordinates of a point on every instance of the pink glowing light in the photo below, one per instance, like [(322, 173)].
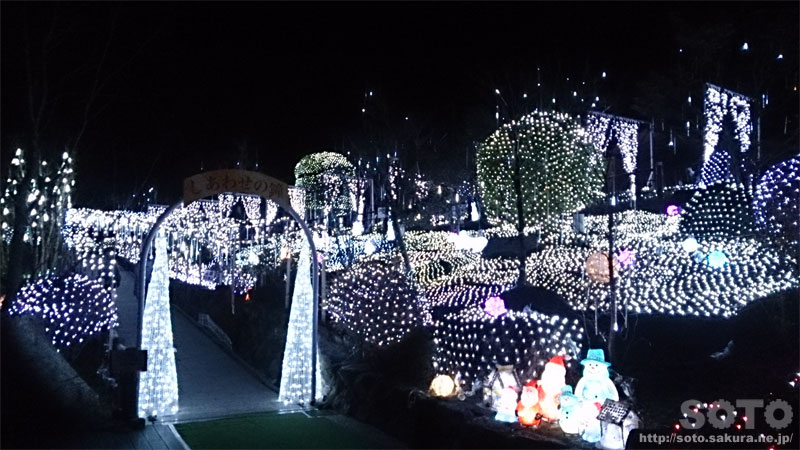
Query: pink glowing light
[(626, 257), (495, 306), (673, 210)]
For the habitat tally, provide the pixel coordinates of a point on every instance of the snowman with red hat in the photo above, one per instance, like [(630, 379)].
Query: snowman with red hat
[(528, 410), (550, 385)]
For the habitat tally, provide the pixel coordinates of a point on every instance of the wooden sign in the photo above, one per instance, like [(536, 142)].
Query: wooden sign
[(215, 182)]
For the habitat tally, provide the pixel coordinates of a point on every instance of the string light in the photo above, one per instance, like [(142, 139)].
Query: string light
[(374, 300), (776, 203), (718, 104), (73, 308)]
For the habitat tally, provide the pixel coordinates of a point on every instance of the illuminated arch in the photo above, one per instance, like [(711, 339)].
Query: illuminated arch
[(207, 184)]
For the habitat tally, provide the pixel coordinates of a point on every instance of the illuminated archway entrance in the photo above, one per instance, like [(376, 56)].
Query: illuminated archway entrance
[(212, 183)]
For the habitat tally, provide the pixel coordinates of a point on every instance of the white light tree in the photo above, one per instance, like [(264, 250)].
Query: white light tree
[(158, 386), (297, 355)]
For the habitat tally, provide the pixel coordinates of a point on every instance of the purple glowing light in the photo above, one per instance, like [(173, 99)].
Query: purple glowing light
[(626, 257), (673, 210), (495, 306)]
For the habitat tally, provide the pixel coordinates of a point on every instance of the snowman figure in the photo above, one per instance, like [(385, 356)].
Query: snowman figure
[(592, 390), (550, 385), (568, 414), (506, 405), (528, 409)]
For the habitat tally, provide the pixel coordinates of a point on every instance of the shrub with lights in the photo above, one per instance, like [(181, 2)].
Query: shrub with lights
[(374, 301), (470, 344), (721, 210), (326, 177), (73, 308), (776, 202), (559, 169)]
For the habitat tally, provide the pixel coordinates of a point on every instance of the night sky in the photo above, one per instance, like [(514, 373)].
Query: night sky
[(206, 84)]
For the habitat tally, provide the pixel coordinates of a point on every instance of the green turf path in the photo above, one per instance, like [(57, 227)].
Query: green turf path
[(275, 431)]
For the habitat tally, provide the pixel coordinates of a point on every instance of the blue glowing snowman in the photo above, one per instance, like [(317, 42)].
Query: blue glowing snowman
[(568, 418), (592, 391)]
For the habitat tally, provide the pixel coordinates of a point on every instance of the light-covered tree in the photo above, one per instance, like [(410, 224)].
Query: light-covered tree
[(534, 168), (326, 177), (34, 204)]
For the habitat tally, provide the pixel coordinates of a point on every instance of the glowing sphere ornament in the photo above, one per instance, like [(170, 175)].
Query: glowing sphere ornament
[(495, 306), (673, 210), (597, 267), (690, 245), (443, 386)]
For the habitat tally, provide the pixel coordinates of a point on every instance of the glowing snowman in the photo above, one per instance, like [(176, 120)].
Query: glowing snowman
[(553, 379), (568, 418), (506, 405), (592, 390)]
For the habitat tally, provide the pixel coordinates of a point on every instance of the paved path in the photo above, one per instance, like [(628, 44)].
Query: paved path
[(211, 383)]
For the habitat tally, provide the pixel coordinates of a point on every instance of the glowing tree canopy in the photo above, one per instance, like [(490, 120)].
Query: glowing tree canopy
[(776, 203), (326, 176), (158, 386), (560, 170), (297, 355)]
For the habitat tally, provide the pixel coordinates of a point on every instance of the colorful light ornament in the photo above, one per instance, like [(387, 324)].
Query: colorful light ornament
[(443, 386), (495, 306), (717, 259), (673, 210)]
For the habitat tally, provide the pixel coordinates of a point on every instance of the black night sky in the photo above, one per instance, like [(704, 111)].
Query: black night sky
[(187, 85)]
